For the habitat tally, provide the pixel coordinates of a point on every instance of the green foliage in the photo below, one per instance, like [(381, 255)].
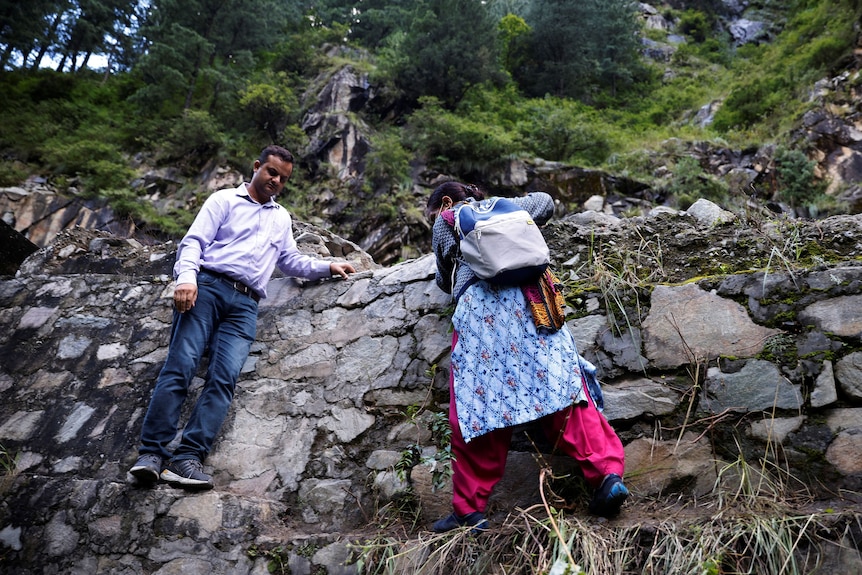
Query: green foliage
[(12, 173), (193, 139), (8, 468), (299, 52), (464, 143), (694, 24), (582, 47), (201, 85), (388, 161), (377, 19), (514, 36), (690, 183), (775, 76), (97, 164), (825, 51), (440, 462), (751, 101), (449, 47), (126, 203), (271, 104), (563, 130), (795, 177)]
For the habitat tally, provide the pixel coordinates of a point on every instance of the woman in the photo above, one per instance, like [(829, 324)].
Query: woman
[(505, 372)]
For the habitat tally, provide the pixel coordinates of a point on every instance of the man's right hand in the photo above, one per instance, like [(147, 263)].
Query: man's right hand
[(185, 296)]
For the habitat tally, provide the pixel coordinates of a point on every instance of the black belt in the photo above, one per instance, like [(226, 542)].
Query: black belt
[(237, 285)]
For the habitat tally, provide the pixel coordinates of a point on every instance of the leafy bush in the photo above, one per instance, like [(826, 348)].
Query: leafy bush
[(750, 102), (270, 103), (388, 161), (825, 51), (193, 139), (561, 130), (464, 143), (690, 183), (694, 24), (795, 177), (127, 203), (97, 164), (12, 174)]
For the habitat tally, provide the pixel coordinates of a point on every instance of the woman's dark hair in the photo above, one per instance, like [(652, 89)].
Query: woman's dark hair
[(455, 190), (282, 153)]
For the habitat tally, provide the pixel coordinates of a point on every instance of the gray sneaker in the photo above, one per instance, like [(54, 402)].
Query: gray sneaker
[(147, 468), (187, 473)]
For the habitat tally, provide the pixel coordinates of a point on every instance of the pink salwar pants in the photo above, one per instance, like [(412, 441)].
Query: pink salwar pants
[(581, 432)]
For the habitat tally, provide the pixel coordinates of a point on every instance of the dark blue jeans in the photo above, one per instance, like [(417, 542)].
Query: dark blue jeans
[(224, 321)]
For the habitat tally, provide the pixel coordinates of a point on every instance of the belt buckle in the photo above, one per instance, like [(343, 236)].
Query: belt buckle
[(240, 287)]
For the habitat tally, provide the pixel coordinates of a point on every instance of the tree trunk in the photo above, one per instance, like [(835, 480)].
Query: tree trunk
[(85, 60), (6, 56), (49, 39)]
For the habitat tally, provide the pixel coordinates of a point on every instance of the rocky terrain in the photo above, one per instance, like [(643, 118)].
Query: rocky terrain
[(725, 342), (717, 343)]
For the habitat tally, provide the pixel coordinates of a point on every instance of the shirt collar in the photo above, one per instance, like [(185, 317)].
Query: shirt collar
[(242, 192)]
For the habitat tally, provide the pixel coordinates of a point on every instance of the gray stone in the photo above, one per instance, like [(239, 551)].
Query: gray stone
[(20, 425), (60, 537), (79, 416), (844, 419), (775, 430), (652, 466), (841, 315), (382, 459), (709, 214), (687, 325), (759, 385), (586, 329), (845, 452), (334, 558), (633, 398), (324, 495), (824, 392), (11, 537), (73, 346), (624, 348), (347, 424), (848, 372)]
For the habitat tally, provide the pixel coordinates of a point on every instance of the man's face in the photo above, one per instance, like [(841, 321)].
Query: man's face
[(269, 178)]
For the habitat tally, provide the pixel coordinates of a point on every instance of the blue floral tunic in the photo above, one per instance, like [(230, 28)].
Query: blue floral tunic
[(505, 372)]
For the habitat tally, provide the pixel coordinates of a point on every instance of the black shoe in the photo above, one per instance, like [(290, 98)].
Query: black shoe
[(476, 520), (187, 473), (147, 468), (609, 497)]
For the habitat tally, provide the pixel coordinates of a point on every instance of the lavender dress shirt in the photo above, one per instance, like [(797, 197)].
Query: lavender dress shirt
[(234, 235)]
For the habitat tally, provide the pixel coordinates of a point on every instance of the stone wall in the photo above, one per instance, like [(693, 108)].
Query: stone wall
[(747, 364)]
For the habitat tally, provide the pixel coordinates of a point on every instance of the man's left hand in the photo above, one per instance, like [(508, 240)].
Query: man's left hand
[(341, 269)]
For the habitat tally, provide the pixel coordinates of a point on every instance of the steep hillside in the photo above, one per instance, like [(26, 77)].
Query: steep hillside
[(714, 116)]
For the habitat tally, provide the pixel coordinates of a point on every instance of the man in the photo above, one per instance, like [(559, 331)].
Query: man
[(223, 265)]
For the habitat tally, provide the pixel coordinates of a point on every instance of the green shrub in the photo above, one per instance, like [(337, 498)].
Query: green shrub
[(795, 178), (270, 104), (192, 140), (825, 51), (561, 130), (12, 174), (126, 203), (464, 143), (98, 165), (751, 102), (690, 183), (388, 161), (694, 24)]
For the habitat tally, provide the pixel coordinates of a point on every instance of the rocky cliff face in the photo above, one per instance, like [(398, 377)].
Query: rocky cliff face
[(699, 372)]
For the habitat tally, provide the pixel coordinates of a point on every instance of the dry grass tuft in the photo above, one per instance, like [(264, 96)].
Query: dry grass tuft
[(745, 526)]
